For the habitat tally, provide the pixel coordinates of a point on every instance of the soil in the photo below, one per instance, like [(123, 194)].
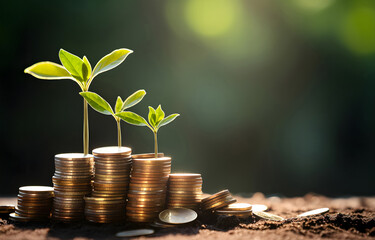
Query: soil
[(348, 218)]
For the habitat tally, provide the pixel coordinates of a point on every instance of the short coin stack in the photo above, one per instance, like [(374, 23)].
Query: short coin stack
[(184, 190), (105, 210), (147, 189), (111, 171), (217, 200), (34, 203), (72, 181)]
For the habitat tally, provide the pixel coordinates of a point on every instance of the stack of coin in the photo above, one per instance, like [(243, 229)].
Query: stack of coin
[(111, 171), (241, 210), (105, 210), (217, 200), (184, 190), (147, 189), (34, 203), (72, 181)]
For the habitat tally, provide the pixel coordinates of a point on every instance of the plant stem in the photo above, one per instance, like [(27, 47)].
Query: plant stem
[(85, 128), (118, 120), (156, 144)]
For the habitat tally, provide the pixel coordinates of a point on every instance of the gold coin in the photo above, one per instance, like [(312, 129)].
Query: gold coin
[(268, 216), (147, 155), (185, 175), (178, 215), (36, 189), (237, 207), (216, 195), (314, 212), (135, 233), (112, 151), (6, 209)]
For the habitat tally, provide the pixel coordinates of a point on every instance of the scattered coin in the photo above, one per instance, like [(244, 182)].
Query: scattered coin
[(238, 207), (178, 215), (239, 214), (217, 200), (258, 208), (268, 216), (135, 233), (314, 212)]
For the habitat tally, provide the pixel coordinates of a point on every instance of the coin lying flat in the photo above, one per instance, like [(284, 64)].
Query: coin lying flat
[(268, 216), (238, 207), (178, 215), (258, 208), (135, 233), (314, 212)]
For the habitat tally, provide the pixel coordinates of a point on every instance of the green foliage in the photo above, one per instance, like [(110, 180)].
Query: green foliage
[(97, 103), (76, 68), (102, 106), (156, 118), (48, 71)]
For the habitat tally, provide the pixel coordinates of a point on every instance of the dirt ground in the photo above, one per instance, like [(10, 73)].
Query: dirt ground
[(348, 218)]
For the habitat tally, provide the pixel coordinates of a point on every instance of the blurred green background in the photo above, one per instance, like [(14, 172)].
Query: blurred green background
[(274, 96)]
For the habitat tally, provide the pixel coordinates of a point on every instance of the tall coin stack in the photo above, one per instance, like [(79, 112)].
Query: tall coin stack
[(72, 181), (34, 203), (111, 179), (105, 210), (184, 190), (111, 171), (147, 189)]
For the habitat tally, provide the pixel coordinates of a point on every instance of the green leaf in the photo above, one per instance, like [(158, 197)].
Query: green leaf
[(74, 65), (48, 71), (159, 115), (152, 116), (97, 102), (167, 120), (88, 66), (133, 99), (132, 118), (118, 104), (110, 61)]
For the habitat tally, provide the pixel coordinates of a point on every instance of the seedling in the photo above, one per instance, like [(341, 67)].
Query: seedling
[(78, 70), (102, 106), (156, 120)]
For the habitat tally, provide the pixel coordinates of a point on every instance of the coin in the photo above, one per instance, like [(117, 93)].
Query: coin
[(238, 207), (6, 209), (178, 215), (112, 151), (314, 212), (36, 189), (258, 207), (268, 216), (135, 233)]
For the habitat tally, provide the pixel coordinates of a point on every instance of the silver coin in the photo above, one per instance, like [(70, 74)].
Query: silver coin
[(135, 233), (314, 212), (268, 216)]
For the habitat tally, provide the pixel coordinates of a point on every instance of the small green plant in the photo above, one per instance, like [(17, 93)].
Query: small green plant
[(156, 119), (102, 106), (78, 70)]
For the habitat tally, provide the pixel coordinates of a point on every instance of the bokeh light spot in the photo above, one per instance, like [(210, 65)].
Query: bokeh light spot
[(211, 18), (314, 5), (358, 30)]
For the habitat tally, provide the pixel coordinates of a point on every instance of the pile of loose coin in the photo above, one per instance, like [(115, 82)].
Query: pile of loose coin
[(217, 200), (34, 203), (184, 190), (147, 188), (72, 181)]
